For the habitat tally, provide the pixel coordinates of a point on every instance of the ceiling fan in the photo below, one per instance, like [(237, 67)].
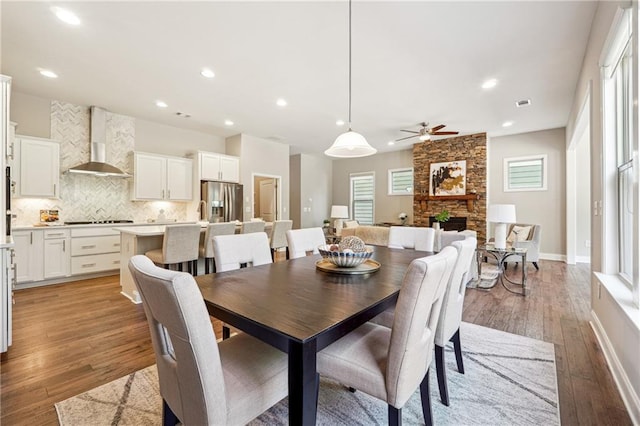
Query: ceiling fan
[(425, 132)]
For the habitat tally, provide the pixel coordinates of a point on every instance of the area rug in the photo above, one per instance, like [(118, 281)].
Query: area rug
[(508, 380)]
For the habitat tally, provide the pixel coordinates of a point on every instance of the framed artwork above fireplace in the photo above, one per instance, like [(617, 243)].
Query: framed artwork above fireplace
[(448, 178)]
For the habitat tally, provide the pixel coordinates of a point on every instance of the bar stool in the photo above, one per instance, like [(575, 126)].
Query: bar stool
[(253, 226), (179, 244), (206, 246), (278, 238)]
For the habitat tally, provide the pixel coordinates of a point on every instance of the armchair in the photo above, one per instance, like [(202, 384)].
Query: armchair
[(531, 242)]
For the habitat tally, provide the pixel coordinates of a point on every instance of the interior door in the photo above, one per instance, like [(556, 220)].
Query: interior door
[(268, 199)]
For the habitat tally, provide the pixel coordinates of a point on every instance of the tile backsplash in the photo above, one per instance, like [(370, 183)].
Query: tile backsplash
[(85, 197)]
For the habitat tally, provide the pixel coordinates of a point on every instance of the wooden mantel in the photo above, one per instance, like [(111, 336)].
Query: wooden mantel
[(469, 198)]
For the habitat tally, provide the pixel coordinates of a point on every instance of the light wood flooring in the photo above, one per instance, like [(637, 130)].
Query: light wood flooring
[(70, 338)]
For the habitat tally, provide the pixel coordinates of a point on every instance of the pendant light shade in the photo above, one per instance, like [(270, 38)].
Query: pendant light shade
[(350, 144)]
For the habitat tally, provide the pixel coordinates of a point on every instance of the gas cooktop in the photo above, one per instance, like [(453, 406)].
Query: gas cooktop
[(97, 222)]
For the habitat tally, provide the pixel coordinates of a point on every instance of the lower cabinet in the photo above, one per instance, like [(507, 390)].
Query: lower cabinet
[(29, 255), (94, 250), (56, 253)]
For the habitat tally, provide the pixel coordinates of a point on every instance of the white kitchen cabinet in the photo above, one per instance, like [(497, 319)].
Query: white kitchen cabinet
[(29, 255), (57, 253), (94, 250), (158, 177), (38, 167), (219, 167)]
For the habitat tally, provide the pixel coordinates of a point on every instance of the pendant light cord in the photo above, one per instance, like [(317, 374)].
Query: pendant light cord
[(349, 65)]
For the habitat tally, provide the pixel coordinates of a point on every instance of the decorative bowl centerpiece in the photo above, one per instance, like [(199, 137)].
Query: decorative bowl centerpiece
[(349, 253)]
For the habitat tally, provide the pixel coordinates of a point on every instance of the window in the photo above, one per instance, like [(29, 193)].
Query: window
[(619, 197), (401, 181), (525, 173), (362, 197)]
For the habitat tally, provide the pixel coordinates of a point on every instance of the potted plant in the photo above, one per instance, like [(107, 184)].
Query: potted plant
[(403, 218), (443, 216)]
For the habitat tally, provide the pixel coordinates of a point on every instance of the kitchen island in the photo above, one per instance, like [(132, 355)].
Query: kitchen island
[(139, 240)]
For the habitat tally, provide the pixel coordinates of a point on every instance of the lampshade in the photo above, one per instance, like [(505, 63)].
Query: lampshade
[(350, 144), (501, 213), (340, 212)]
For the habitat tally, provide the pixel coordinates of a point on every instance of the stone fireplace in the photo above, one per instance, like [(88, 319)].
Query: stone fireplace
[(453, 224), (472, 206)]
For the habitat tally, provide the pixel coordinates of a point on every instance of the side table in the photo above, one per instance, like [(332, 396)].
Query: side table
[(501, 255)]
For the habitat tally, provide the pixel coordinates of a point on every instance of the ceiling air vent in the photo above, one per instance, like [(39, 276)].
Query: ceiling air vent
[(523, 103)]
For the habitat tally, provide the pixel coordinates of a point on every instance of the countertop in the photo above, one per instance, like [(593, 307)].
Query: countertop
[(6, 241), (93, 225)]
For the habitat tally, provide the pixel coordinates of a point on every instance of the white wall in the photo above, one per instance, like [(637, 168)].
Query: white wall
[(546, 208), (32, 114), (169, 140), (262, 157), (315, 190), (583, 200), (295, 192), (387, 207), (615, 318)]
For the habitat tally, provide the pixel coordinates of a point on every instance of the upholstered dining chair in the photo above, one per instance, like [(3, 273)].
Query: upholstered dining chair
[(304, 240), (235, 251), (451, 313), (252, 226), (391, 363), (203, 382), (278, 237), (410, 237), (206, 246), (179, 244)]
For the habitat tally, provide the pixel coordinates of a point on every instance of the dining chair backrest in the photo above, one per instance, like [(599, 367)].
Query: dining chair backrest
[(410, 237), (451, 312), (279, 233), (414, 325), (252, 226), (180, 243), (213, 229), (187, 355), (304, 240), (231, 251)]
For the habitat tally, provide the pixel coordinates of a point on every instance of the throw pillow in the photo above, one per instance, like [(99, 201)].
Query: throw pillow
[(519, 233)]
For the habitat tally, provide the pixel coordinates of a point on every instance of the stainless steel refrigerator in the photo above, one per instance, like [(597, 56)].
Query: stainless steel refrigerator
[(222, 201)]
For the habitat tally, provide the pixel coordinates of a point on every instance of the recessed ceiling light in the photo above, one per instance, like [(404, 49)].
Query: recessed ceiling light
[(281, 102), (507, 124), (228, 123), (490, 84), (524, 102), (206, 72), (66, 16), (391, 143), (48, 74), (340, 123), (161, 104)]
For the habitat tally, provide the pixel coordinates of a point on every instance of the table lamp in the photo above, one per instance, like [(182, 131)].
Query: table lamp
[(501, 214), (338, 213)]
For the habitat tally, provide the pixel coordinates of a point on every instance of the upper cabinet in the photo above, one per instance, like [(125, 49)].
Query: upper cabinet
[(158, 177), (219, 167), (36, 167)]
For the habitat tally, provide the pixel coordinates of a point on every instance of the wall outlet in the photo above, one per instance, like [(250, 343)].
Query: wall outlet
[(587, 243)]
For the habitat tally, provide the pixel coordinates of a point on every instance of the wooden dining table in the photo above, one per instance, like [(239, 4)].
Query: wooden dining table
[(300, 310)]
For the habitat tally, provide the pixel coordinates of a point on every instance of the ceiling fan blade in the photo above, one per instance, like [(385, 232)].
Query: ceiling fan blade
[(410, 131), (408, 137), (435, 129), (444, 133)]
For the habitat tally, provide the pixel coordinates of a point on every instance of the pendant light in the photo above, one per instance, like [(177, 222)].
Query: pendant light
[(350, 144)]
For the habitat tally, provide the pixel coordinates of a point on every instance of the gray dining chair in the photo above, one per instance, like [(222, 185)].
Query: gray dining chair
[(304, 240), (451, 313), (203, 382), (206, 246), (278, 237), (410, 237), (240, 250), (391, 363), (179, 245)]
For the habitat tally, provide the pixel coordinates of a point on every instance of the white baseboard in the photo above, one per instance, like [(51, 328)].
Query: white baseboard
[(553, 256), (629, 397)]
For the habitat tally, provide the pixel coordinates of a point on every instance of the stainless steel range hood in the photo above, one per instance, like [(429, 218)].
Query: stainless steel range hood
[(98, 166)]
